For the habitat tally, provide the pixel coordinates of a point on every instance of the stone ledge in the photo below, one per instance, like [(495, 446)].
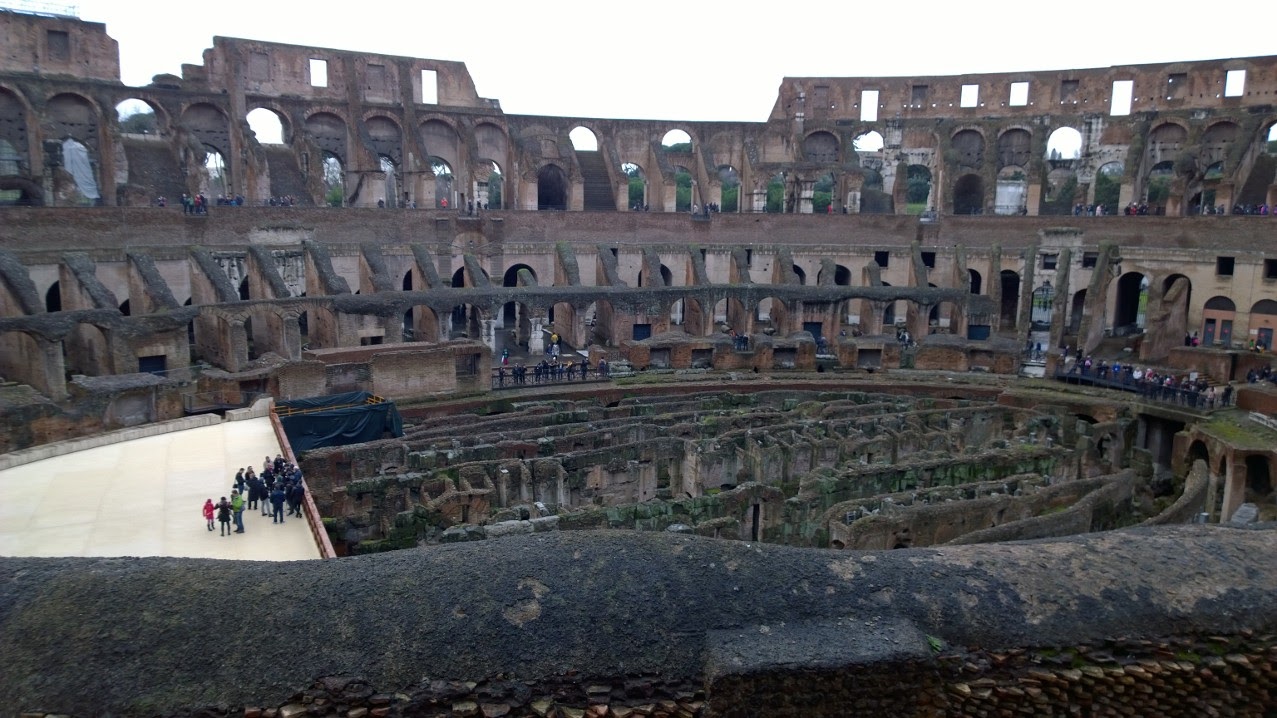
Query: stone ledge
[(70, 446)]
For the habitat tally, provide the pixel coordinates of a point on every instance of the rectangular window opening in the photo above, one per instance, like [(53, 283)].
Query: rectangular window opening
[(1049, 261), (929, 260), (1090, 259), (429, 87), (970, 95), (868, 105), (1019, 94), (1121, 101), (749, 258), (918, 95), (1235, 83), (1270, 269), (1068, 91), (881, 259), (59, 43), (318, 73), (1224, 266)]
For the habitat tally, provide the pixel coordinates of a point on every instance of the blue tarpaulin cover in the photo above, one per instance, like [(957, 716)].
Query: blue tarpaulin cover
[(337, 420)]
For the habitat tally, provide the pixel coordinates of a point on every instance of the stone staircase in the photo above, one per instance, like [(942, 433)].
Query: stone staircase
[(598, 188), (153, 171), (285, 176)]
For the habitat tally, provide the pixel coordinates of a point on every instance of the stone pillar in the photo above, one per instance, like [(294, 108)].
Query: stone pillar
[(291, 344), (758, 200), (488, 334), (1234, 491), (536, 339), (806, 190), (237, 356)]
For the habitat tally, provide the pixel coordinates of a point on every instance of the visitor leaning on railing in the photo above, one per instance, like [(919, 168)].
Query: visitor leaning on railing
[(1189, 390)]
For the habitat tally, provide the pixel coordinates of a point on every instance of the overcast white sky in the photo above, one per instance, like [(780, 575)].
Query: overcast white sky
[(689, 60)]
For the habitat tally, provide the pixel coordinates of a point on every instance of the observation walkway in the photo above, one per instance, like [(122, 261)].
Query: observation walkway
[(144, 496)]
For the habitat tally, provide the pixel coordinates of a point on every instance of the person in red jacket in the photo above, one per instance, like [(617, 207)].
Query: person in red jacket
[(208, 513)]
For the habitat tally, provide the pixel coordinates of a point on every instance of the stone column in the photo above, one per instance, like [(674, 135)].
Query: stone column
[(488, 334), (536, 339)]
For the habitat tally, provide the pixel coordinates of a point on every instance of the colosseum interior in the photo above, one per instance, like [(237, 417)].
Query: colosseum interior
[(888, 316)]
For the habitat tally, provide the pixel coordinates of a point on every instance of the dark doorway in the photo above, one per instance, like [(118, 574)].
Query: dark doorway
[(968, 195), (552, 188)]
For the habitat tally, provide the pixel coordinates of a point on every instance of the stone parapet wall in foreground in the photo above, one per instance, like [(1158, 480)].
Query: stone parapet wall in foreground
[(1175, 622)]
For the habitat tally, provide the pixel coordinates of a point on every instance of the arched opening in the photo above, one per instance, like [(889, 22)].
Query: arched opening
[(677, 141), (136, 117), (1259, 482), (968, 195), (53, 298), (822, 198), (489, 186), (334, 180), (820, 146), (389, 195), (1263, 320), (1077, 310), (510, 316), (637, 186), (1063, 145), (1217, 321), (1263, 172), (975, 281), (682, 189), (1198, 452), (1132, 302), (73, 121), (596, 184), (1012, 194), (244, 293), (421, 324), (770, 316), (841, 278), (917, 189), (1060, 194), (124, 307), (516, 322), (82, 170), (1108, 186), (967, 150), (776, 193), (1010, 310), (1014, 148), (694, 319), (266, 125), (729, 180), (802, 275), (1042, 306), (598, 319), (214, 181), (868, 143), (552, 188), (1157, 190), (729, 315), (583, 140), (444, 197)]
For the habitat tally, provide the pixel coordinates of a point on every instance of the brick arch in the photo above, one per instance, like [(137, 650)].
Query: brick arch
[(209, 124), (330, 132)]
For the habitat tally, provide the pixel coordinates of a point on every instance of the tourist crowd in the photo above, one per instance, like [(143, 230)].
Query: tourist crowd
[(1189, 390), (280, 484)]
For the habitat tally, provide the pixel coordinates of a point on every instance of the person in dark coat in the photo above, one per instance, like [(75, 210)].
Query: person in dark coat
[(224, 516), (277, 504)]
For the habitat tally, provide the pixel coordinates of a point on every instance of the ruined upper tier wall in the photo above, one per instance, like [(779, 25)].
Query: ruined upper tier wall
[(273, 69), (1156, 87), (57, 46)]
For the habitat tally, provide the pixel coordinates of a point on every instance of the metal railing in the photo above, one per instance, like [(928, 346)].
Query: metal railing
[(1150, 391)]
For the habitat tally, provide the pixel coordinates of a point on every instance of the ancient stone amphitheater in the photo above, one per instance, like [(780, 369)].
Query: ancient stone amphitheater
[(860, 449)]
